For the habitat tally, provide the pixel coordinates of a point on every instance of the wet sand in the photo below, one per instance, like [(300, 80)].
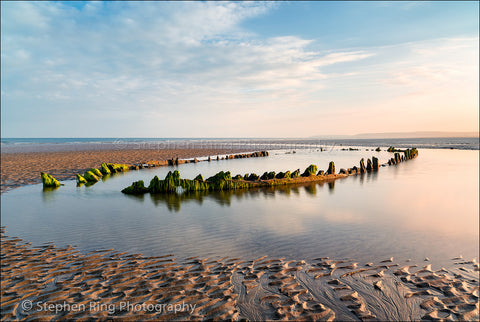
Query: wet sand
[(47, 283), (24, 168)]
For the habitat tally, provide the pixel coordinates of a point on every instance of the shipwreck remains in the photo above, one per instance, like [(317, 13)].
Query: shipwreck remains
[(223, 181)]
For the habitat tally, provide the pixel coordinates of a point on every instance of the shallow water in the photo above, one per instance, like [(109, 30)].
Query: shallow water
[(426, 207)]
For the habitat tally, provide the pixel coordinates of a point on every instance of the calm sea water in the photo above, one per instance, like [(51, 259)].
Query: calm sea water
[(424, 207), (10, 145)]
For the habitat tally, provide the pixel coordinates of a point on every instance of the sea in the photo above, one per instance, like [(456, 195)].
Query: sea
[(12, 145), (427, 207)]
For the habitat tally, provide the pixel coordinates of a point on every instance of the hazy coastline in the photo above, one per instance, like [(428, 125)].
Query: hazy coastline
[(19, 145)]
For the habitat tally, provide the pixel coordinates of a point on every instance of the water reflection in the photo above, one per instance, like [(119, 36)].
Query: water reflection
[(173, 201), (138, 198), (420, 208), (331, 186), (311, 189), (48, 193)]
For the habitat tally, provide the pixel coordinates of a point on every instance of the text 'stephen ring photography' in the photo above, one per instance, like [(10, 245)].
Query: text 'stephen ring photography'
[(214, 160)]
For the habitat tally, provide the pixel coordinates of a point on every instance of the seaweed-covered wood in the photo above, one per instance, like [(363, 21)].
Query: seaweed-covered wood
[(310, 171), (253, 177), (295, 174), (96, 172), (90, 177), (104, 169), (331, 168), (80, 179), (137, 188), (49, 181), (369, 165), (223, 181), (375, 163), (362, 166)]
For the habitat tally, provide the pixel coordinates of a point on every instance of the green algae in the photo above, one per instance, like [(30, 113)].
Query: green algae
[(137, 188), (81, 179), (104, 169), (173, 183), (295, 174), (49, 181), (331, 168), (252, 177), (310, 171), (283, 175), (223, 181), (90, 177), (96, 172), (117, 167)]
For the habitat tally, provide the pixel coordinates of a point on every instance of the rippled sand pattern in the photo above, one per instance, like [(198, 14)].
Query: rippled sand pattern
[(229, 288)]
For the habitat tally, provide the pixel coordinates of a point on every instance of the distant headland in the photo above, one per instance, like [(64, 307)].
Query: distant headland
[(402, 135)]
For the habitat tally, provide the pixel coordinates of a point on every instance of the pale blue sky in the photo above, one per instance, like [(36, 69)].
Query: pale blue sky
[(251, 69)]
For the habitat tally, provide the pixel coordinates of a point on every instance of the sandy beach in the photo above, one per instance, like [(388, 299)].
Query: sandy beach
[(48, 283), (24, 168)]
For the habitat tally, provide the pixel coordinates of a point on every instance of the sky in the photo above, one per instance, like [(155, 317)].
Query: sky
[(238, 69)]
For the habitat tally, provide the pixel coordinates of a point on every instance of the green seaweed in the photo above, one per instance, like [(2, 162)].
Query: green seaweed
[(223, 181), (283, 175), (96, 172), (410, 153), (137, 188), (117, 167), (81, 179), (331, 168), (310, 171), (172, 182), (49, 181), (295, 174), (104, 169), (253, 177), (90, 177)]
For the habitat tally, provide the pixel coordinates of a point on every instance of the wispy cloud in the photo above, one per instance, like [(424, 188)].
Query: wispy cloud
[(148, 67), (160, 58)]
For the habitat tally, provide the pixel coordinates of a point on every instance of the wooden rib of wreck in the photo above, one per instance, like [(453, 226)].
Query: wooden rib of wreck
[(224, 181)]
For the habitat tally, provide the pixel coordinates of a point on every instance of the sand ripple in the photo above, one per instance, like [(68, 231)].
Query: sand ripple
[(227, 288)]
